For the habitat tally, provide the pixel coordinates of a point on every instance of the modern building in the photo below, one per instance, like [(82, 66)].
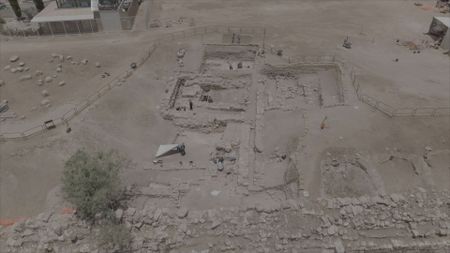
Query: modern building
[(86, 16)]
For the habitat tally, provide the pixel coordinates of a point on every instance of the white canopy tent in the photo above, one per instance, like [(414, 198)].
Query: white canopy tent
[(166, 149), (440, 27)]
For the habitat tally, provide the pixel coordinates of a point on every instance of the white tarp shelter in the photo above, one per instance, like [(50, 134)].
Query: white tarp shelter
[(166, 149), (440, 27)]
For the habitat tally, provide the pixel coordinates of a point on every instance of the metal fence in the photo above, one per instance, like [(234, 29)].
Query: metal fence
[(388, 110), (95, 26), (202, 30), (396, 112), (71, 113), (119, 79), (64, 28)]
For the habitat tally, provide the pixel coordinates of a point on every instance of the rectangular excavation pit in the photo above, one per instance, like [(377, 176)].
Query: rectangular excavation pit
[(220, 93), (315, 84), (190, 103), (276, 139), (291, 93), (228, 57)]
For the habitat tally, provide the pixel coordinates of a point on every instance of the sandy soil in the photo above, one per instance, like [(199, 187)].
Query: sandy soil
[(373, 27), (81, 80), (259, 115)]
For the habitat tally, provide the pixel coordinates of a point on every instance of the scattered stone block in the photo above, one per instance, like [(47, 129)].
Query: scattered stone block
[(130, 212), (58, 69), (13, 70), (14, 58), (45, 217), (2, 82), (84, 61), (14, 242), (25, 77), (48, 79), (339, 247), (62, 83), (38, 73), (415, 233), (20, 69), (332, 230), (45, 102), (306, 194), (21, 64), (44, 93), (182, 212), (97, 64), (40, 82), (27, 232), (119, 214), (216, 222), (18, 227), (442, 232), (85, 248), (4, 105), (157, 214), (7, 67)]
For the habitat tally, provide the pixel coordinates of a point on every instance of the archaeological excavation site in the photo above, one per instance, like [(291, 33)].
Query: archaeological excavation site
[(225, 126)]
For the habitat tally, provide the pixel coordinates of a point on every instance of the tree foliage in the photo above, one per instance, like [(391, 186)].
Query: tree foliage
[(91, 183), (16, 8), (39, 5)]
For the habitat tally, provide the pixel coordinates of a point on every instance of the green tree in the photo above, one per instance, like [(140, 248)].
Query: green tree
[(91, 183), (39, 5), (115, 237), (16, 8)]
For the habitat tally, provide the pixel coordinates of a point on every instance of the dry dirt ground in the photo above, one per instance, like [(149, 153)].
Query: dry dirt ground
[(281, 131), (77, 69)]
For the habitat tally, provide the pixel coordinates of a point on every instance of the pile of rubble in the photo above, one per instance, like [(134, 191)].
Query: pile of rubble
[(19, 28), (443, 6), (394, 223)]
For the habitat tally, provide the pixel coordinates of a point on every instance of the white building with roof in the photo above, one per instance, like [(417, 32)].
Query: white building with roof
[(69, 16), (86, 16)]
